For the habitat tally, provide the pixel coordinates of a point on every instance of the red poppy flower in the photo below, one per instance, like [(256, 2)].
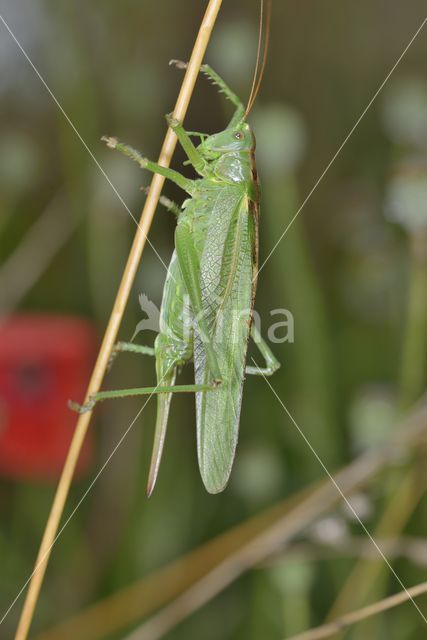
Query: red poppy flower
[(44, 361)]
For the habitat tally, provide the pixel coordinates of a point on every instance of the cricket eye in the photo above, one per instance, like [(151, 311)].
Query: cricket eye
[(238, 135)]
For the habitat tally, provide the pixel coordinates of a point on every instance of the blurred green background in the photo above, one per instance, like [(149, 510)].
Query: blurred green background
[(351, 269)]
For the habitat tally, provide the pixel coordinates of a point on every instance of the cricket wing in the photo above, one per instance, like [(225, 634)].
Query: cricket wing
[(228, 291)]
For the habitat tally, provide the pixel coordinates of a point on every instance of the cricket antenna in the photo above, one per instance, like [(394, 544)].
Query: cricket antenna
[(259, 71)]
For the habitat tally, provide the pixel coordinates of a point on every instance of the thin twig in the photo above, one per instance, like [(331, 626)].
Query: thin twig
[(115, 320), (327, 630)]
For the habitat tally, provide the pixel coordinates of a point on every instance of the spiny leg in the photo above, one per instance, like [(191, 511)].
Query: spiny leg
[(272, 364), (223, 88), (170, 205), (216, 79), (194, 156), (198, 134), (138, 391), (129, 347), (182, 182)]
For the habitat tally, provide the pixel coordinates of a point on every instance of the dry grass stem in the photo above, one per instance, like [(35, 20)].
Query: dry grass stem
[(301, 512), (366, 573), (327, 630)]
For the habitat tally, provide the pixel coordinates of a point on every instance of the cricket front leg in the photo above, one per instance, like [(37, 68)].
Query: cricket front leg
[(194, 156), (271, 362), (223, 87), (174, 176)]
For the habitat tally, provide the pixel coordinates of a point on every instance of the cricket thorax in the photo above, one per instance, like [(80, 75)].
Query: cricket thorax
[(234, 167)]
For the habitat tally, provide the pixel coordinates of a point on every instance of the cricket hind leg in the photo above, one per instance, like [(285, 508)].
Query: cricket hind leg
[(162, 386), (271, 362), (169, 355), (114, 394)]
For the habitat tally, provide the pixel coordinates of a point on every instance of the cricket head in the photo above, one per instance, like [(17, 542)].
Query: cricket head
[(235, 139)]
